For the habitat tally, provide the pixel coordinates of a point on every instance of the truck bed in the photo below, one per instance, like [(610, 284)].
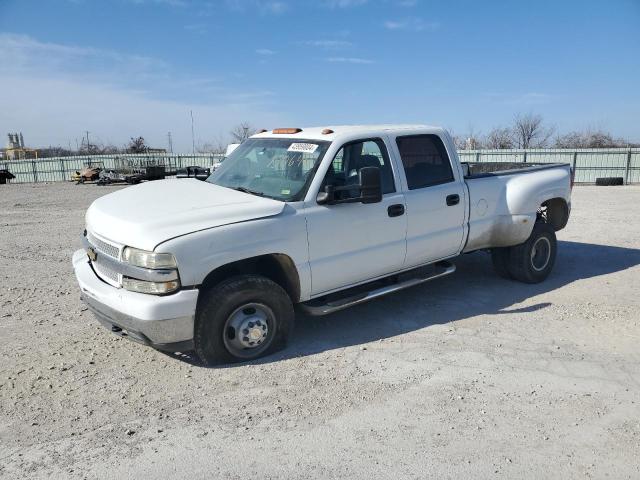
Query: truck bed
[(504, 198), (485, 169)]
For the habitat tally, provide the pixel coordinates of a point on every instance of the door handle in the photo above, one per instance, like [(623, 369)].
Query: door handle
[(395, 210), (453, 199)]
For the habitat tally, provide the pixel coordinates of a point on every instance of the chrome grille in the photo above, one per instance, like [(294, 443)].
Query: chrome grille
[(107, 274), (103, 247)]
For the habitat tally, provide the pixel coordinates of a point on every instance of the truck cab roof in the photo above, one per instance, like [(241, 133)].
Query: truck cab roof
[(335, 132)]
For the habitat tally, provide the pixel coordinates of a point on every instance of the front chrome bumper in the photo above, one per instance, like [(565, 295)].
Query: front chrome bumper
[(163, 322)]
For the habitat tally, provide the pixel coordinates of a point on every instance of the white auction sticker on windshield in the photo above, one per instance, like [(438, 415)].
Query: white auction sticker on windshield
[(303, 147)]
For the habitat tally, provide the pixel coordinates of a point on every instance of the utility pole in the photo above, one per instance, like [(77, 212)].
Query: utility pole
[(170, 142), (193, 138)]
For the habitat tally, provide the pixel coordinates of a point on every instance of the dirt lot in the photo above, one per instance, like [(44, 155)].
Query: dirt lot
[(468, 376)]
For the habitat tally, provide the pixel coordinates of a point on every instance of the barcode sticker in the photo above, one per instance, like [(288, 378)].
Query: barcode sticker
[(303, 147)]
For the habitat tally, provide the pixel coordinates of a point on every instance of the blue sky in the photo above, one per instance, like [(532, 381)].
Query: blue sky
[(121, 68)]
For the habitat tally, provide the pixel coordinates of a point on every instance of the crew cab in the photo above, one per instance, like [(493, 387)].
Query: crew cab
[(316, 218)]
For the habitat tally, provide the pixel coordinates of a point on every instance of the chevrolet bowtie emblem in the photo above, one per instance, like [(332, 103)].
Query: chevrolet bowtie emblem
[(92, 254)]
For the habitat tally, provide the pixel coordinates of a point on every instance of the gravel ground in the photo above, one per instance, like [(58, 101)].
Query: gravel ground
[(467, 376)]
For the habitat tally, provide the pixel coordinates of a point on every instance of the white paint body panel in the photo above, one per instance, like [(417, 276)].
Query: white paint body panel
[(332, 247), (145, 215), (503, 207)]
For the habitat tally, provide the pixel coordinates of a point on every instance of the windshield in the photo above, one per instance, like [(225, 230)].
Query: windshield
[(272, 167)]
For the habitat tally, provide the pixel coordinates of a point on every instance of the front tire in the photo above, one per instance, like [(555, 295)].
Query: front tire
[(241, 319), (533, 260)]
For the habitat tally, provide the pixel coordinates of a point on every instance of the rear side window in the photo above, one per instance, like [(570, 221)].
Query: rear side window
[(425, 160)]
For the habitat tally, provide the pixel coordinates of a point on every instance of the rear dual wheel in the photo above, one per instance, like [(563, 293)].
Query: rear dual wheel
[(531, 261)]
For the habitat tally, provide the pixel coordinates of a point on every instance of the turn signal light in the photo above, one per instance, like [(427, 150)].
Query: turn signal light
[(286, 131)]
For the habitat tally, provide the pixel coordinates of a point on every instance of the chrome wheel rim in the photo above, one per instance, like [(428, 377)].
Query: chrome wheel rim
[(249, 330), (540, 254)]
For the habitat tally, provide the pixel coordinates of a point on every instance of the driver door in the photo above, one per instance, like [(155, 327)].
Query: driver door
[(351, 243)]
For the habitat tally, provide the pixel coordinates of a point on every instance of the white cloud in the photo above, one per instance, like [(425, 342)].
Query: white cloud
[(343, 3), (411, 24), (198, 28), (329, 44), (273, 7), (171, 3), (262, 6), (362, 61), (265, 51), (57, 91)]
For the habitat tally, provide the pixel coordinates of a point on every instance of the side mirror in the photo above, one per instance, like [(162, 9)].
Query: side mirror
[(327, 197), (369, 185)]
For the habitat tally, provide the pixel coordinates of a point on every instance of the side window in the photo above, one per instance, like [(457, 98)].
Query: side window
[(425, 160), (352, 157)]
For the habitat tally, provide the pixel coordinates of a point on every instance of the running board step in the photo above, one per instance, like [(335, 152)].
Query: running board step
[(364, 293)]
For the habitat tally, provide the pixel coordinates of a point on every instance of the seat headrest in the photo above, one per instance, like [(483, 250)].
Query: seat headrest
[(368, 161)]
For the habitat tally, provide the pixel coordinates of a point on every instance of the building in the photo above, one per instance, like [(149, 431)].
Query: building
[(16, 150)]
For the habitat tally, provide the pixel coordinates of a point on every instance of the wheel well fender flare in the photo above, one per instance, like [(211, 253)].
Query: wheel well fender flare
[(557, 212), (277, 267)]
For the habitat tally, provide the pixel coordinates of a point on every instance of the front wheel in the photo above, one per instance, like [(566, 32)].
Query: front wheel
[(533, 260), (242, 318)]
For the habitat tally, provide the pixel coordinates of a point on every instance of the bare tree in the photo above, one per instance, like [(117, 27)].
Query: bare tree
[(241, 132), (107, 149), (137, 145), (469, 141), (530, 132), (499, 138), (216, 146), (589, 139)]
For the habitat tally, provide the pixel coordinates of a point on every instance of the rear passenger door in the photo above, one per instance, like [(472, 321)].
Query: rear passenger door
[(434, 198)]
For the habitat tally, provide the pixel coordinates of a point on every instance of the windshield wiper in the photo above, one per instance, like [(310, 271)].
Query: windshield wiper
[(248, 190)]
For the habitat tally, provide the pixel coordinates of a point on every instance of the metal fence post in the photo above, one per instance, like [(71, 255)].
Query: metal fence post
[(524, 157), (63, 170), (626, 168), (575, 163), (477, 157), (35, 173)]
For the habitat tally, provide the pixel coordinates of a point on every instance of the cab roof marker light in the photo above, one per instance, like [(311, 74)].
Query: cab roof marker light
[(286, 131), (327, 131), (263, 130)]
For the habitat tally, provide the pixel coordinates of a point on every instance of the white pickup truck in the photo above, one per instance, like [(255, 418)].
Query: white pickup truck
[(321, 218)]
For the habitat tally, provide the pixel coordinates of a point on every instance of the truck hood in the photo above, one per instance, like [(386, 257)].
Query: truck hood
[(153, 212)]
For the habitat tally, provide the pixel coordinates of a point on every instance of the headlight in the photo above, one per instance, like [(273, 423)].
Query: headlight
[(153, 288), (141, 258)]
